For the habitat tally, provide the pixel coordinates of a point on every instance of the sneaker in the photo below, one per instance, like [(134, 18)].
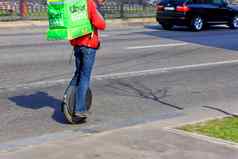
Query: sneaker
[(81, 114)]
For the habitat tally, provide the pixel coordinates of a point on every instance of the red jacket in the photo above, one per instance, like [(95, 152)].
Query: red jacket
[(98, 22)]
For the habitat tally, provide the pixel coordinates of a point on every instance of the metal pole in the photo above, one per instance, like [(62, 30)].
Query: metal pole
[(122, 9)]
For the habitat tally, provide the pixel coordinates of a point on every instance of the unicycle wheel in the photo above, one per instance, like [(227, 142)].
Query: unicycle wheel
[(68, 105)]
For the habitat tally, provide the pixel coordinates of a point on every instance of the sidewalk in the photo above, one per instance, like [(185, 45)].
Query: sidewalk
[(110, 23), (157, 140)]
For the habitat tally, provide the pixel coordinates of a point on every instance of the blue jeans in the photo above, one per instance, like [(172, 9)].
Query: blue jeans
[(84, 61)]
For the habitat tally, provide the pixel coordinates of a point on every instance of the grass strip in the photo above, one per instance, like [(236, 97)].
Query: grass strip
[(225, 128)]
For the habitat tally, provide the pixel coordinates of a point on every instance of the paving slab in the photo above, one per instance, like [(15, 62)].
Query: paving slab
[(145, 142)]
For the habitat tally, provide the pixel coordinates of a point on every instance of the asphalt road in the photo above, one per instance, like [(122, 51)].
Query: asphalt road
[(142, 74)]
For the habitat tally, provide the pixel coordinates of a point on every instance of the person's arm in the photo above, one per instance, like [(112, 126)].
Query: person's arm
[(96, 18)]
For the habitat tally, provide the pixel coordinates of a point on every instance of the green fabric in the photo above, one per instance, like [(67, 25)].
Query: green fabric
[(68, 19)]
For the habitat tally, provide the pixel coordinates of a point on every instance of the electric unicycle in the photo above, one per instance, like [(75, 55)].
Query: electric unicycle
[(68, 105)]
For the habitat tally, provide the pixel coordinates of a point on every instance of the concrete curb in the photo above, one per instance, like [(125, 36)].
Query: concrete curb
[(119, 138), (168, 125), (19, 24), (110, 23), (204, 138)]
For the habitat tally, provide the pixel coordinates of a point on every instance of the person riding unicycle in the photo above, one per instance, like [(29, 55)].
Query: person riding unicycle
[(77, 21), (85, 51)]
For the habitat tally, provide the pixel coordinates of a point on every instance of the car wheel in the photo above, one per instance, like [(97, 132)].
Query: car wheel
[(234, 22), (167, 26), (197, 23)]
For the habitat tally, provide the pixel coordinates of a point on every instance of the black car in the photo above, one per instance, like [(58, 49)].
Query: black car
[(196, 14)]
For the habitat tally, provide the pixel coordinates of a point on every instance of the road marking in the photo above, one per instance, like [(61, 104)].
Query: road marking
[(120, 75), (162, 70), (155, 46), (104, 35)]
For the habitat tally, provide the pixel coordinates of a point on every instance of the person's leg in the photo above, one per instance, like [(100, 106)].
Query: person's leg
[(78, 57), (70, 109), (86, 66)]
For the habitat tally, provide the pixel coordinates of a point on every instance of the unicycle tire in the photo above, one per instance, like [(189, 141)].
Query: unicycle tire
[(68, 105)]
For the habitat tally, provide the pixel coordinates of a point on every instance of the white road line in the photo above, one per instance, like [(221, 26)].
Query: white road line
[(155, 46), (34, 85), (104, 35), (120, 75), (162, 70)]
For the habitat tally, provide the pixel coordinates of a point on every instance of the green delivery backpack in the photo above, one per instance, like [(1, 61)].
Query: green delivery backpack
[(68, 19)]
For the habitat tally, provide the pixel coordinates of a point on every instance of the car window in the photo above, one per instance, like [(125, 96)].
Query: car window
[(199, 1), (175, 1), (216, 1)]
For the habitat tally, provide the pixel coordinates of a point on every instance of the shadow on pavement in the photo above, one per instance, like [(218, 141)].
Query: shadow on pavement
[(214, 36), (40, 100), (220, 110), (137, 89)]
